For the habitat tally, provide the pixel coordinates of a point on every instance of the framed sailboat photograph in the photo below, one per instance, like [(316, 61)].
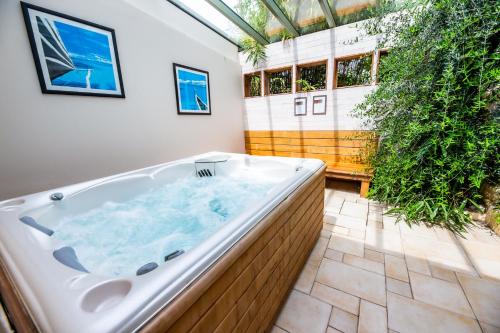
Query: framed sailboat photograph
[(192, 90), (73, 56)]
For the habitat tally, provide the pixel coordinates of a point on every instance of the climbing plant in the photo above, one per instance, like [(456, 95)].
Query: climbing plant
[(436, 109)]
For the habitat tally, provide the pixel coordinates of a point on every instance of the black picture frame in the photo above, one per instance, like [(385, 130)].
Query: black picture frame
[(300, 100), (315, 98), (44, 74), (180, 110)]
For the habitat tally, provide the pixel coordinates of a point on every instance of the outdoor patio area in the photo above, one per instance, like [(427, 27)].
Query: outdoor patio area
[(368, 274)]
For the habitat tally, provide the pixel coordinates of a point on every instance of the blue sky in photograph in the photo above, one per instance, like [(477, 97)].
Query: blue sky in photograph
[(91, 55), (192, 84)]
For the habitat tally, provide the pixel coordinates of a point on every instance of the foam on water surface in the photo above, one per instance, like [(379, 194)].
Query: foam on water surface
[(117, 238)]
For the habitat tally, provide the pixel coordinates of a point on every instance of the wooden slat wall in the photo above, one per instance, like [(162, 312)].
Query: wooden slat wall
[(244, 291), (345, 150)]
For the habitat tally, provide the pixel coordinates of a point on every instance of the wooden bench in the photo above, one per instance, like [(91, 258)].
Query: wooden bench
[(344, 152)]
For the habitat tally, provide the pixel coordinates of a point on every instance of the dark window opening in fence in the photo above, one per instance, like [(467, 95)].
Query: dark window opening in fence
[(311, 76), (252, 85), (382, 54), (353, 71), (279, 81)]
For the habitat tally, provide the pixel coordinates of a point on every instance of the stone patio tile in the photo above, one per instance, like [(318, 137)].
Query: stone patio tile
[(306, 278), (346, 244), (443, 274), (340, 230), (443, 294), (326, 233), (418, 229), (418, 265), (374, 256), (385, 241), (345, 221), (276, 329), (344, 321), (352, 280), (355, 233), (410, 316), (372, 318), (356, 210), (374, 224), (363, 201), (334, 255), (489, 328), (390, 223), (485, 258), (363, 263), (334, 202), (336, 298), (317, 253), (444, 235), (332, 330), (304, 314), (482, 234), (484, 297), (396, 268), (398, 287), (332, 210), (327, 226)]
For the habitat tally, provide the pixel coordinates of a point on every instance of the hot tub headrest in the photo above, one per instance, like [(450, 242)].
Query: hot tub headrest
[(28, 220), (67, 256), (147, 268)]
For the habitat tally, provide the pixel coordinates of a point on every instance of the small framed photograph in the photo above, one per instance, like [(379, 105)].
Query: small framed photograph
[(319, 104), (300, 106), (73, 56), (192, 90)]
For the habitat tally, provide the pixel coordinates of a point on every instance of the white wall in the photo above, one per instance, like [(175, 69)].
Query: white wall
[(53, 140), (277, 112)]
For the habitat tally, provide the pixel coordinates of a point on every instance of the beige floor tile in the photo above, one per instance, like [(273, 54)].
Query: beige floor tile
[(334, 255), (484, 296), (374, 224), (306, 279), (325, 233), (418, 265), (355, 233), (345, 221), (485, 258), (363, 201), (410, 316), (385, 241), (489, 328), (352, 280), (276, 329), (304, 314), (363, 263), (443, 274), (327, 226), (317, 253), (340, 230), (332, 330), (347, 244), (374, 256), (396, 268), (336, 298), (334, 201), (443, 294), (344, 321), (356, 210), (372, 318), (391, 223), (398, 287)]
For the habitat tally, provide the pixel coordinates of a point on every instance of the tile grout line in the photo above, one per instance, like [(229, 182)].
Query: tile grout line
[(468, 302)]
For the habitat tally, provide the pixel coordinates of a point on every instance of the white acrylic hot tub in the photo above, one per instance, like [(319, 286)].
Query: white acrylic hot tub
[(65, 299)]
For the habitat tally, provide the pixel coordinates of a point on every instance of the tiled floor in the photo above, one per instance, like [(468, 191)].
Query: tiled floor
[(370, 274)]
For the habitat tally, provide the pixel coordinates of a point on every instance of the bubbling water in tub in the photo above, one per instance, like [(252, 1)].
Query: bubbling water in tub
[(117, 238)]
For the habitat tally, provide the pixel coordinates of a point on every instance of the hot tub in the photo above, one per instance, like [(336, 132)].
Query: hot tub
[(159, 248)]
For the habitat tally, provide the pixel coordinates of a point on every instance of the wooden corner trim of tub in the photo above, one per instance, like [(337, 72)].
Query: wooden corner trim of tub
[(14, 306)]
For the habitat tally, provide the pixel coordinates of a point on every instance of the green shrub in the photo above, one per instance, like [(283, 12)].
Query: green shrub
[(437, 109)]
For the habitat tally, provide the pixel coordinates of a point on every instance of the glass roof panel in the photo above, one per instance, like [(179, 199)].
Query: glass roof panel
[(255, 13), (349, 11), (211, 15), (306, 15)]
